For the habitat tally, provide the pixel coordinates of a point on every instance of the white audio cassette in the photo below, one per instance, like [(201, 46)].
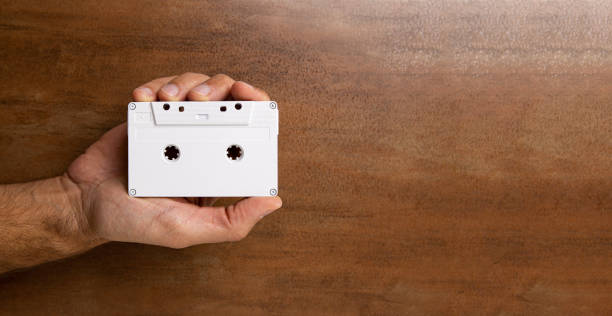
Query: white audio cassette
[(203, 149)]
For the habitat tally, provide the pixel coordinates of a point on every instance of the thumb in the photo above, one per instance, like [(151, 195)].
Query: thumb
[(242, 216)]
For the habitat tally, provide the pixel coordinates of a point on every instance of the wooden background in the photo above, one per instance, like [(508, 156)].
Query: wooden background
[(436, 157)]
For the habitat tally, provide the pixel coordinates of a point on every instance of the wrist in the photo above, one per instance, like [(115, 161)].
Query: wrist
[(42, 221), (77, 214)]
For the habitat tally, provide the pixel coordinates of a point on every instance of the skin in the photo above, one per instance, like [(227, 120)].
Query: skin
[(87, 206)]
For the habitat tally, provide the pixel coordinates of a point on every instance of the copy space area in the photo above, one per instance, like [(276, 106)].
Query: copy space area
[(435, 157)]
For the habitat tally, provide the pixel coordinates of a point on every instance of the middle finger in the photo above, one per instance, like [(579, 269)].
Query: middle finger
[(177, 88)]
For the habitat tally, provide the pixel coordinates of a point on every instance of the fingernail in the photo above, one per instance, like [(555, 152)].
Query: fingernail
[(202, 89), (145, 91), (170, 89), (277, 204)]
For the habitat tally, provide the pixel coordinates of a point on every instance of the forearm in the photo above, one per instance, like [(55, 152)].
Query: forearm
[(42, 221)]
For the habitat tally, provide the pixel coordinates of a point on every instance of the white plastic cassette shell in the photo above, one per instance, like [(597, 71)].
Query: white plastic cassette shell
[(203, 133)]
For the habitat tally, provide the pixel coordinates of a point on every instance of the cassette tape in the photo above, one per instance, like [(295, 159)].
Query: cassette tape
[(203, 149)]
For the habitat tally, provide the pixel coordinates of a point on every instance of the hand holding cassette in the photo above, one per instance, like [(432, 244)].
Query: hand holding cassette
[(101, 172)]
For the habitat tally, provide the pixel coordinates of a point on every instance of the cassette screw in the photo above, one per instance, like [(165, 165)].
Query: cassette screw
[(273, 192), (132, 192), (273, 105), (132, 106)]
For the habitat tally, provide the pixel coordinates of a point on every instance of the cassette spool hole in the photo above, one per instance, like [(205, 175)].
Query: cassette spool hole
[(234, 152), (223, 108), (172, 152), (238, 106), (166, 107)]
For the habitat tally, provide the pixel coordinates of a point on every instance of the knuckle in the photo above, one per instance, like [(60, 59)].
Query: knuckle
[(224, 77), (237, 225), (190, 78), (162, 80), (190, 74)]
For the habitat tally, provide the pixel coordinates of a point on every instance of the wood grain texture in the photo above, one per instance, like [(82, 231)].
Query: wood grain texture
[(445, 157)]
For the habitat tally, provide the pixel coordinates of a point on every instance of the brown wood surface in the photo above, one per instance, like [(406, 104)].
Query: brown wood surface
[(443, 157)]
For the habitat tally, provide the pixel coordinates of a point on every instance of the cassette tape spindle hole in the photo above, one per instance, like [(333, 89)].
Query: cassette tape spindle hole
[(166, 107), (234, 152), (172, 152)]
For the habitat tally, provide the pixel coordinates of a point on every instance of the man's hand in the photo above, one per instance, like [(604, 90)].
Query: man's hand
[(174, 222), (90, 204)]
